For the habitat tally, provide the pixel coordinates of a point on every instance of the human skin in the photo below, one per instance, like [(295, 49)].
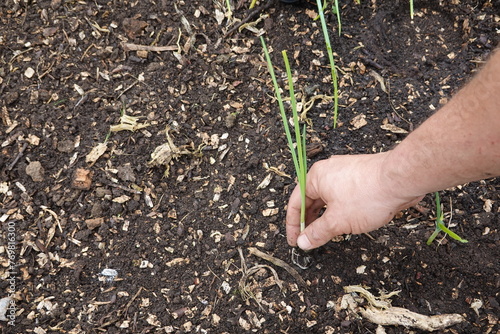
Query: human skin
[(458, 144)]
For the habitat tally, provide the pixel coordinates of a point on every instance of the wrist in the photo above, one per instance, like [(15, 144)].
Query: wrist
[(398, 179)]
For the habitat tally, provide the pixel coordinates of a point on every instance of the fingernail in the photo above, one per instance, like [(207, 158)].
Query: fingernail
[(303, 242)]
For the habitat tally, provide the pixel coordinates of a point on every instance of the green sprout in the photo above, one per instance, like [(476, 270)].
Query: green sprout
[(297, 149), (440, 225), (330, 58), (336, 11)]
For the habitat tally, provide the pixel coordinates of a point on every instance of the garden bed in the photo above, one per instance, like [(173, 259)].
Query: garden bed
[(183, 244)]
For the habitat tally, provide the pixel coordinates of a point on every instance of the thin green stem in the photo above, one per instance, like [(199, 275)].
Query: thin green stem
[(332, 63), (302, 183), (337, 13), (280, 104), (299, 154), (299, 140)]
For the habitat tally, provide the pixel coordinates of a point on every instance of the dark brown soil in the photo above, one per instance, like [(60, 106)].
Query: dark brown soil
[(175, 241)]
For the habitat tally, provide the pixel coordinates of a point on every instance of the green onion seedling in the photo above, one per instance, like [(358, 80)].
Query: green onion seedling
[(297, 148), (440, 225), (330, 58)]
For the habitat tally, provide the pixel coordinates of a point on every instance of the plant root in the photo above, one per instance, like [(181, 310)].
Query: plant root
[(279, 263), (401, 316), (245, 290), (301, 259), (379, 311), (250, 16)]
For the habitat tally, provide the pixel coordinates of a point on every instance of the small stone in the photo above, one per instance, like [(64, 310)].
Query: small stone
[(65, 146), (54, 4), (29, 73), (94, 223), (132, 205), (11, 97), (34, 97), (142, 54), (345, 323), (126, 173), (229, 239), (153, 67), (44, 94), (96, 210), (49, 31), (230, 120), (36, 171), (180, 230), (102, 192)]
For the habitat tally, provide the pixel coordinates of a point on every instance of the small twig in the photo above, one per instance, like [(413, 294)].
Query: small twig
[(372, 63), (250, 16), (132, 300), (127, 89), (279, 263), (18, 156), (82, 100), (137, 47)]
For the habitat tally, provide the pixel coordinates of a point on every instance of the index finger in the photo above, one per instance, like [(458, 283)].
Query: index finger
[(293, 217)]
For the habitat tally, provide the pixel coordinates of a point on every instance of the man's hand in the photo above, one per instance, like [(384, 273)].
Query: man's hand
[(357, 194), (458, 144)]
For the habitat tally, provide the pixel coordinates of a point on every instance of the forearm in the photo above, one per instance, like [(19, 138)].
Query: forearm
[(458, 144)]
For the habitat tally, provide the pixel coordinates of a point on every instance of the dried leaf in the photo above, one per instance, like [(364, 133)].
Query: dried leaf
[(79, 89), (177, 261), (219, 16), (122, 199), (96, 153), (358, 121), (265, 182), (270, 212), (379, 78), (392, 128), (128, 123)]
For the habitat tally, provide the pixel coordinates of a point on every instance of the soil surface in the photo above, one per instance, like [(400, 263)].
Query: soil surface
[(144, 137)]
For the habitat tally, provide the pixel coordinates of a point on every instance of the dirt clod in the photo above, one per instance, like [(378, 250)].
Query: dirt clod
[(82, 179), (35, 171)]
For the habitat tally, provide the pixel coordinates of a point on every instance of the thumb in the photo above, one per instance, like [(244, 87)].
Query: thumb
[(319, 232)]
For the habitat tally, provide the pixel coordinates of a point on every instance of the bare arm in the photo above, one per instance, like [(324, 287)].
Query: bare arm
[(458, 144)]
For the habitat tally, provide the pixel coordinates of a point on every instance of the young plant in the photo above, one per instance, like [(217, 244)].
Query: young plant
[(297, 149), (335, 10), (330, 58), (440, 225)]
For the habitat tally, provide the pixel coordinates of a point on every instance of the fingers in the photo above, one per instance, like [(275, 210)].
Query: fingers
[(293, 217), (313, 206), (320, 231)]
